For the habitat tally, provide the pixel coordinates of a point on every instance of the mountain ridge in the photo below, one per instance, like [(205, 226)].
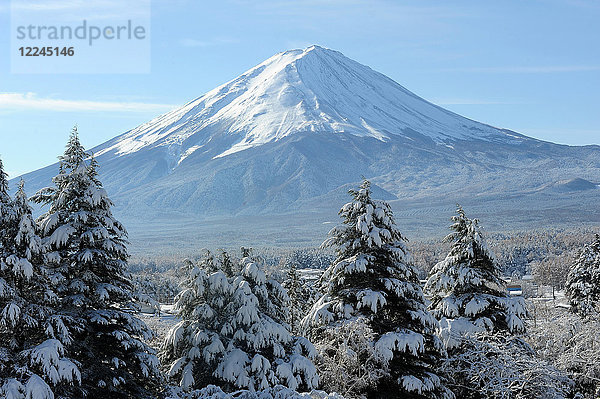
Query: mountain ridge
[(290, 135), (288, 93)]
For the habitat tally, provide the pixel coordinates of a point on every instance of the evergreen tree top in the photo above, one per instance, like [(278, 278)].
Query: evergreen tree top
[(467, 239), (368, 224), (21, 200), (74, 152), (466, 289), (81, 236), (7, 214), (470, 266), (26, 239), (4, 197)]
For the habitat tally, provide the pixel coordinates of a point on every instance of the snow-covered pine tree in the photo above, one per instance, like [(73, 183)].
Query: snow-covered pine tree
[(6, 210), (583, 281), (373, 279), (467, 292), (87, 256), (232, 334), (32, 341), (293, 285), (246, 252), (226, 262), (208, 262)]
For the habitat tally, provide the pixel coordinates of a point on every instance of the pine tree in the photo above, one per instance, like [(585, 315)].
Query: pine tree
[(227, 264), (246, 252), (373, 279), (232, 333), (208, 262), (293, 285), (583, 281), (32, 340), (6, 210), (87, 257), (467, 292)]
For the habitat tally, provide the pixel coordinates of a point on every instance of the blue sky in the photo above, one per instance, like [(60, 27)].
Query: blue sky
[(530, 66)]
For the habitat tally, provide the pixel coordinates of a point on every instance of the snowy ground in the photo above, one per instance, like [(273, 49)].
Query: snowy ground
[(160, 323)]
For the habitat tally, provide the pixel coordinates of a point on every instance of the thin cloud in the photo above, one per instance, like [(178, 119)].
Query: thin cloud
[(31, 101), (527, 69)]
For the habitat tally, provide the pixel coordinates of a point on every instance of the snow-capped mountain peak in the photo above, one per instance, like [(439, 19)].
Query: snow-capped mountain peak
[(311, 90)]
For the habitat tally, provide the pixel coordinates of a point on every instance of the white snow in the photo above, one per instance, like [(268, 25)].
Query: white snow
[(10, 314), (371, 299), (12, 389), (188, 152), (415, 384), (61, 235), (405, 341), (36, 388), (20, 266), (476, 305), (304, 90)]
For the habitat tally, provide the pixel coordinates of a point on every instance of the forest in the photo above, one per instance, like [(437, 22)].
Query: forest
[(370, 314)]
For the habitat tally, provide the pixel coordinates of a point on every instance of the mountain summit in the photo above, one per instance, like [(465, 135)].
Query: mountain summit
[(311, 90), (291, 135)]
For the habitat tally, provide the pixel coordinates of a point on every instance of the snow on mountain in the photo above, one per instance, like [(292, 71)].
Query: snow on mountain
[(292, 134), (311, 90)]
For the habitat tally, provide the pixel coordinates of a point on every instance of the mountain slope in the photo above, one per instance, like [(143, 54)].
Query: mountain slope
[(290, 134), (311, 90)]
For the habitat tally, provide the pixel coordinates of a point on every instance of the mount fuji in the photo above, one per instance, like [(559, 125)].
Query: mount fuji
[(291, 135)]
